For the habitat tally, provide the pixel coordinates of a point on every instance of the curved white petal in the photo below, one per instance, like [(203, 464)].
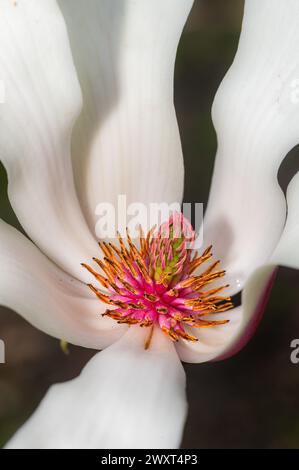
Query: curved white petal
[(286, 252), (127, 139), (258, 286), (126, 397), (47, 297), (223, 341), (256, 115), (42, 101)]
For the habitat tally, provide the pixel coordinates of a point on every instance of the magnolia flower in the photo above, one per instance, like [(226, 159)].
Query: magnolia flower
[(92, 81)]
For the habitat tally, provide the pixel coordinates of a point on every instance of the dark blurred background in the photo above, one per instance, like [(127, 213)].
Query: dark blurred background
[(248, 401)]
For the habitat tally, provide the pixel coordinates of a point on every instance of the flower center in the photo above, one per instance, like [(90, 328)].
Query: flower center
[(156, 283)]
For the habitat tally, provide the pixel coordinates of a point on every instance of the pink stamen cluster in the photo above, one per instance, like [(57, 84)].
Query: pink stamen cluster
[(155, 284)]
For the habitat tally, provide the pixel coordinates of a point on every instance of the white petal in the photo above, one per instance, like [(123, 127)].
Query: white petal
[(258, 286), (223, 341), (256, 115), (287, 252), (47, 297), (43, 99), (126, 397), (127, 139)]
